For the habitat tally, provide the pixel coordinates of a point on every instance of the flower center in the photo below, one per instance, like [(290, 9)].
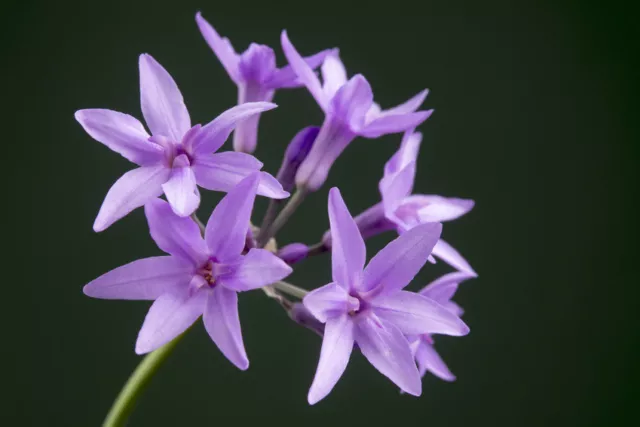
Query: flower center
[(207, 273), (408, 214), (355, 304)]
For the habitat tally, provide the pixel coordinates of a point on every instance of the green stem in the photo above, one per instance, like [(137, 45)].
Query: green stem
[(290, 289), (136, 384), (292, 204), (269, 216)]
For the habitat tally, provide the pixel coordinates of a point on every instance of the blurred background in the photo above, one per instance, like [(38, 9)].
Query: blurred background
[(536, 120)]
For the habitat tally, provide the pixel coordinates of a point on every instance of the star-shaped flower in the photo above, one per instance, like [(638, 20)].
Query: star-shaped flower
[(255, 73), (349, 112), (178, 157), (367, 306), (201, 276), (441, 291), (406, 210)]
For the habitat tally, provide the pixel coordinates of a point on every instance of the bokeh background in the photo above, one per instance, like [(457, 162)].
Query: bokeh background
[(535, 119)]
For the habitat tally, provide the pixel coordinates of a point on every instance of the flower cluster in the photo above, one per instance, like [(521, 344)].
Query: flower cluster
[(364, 307)]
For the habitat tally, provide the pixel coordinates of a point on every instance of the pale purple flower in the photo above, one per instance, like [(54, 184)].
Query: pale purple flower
[(367, 306), (406, 210), (349, 112), (201, 276), (441, 291), (255, 73), (178, 157)]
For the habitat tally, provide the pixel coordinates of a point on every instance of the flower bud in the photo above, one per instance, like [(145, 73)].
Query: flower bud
[(293, 252), (295, 154), (299, 314)]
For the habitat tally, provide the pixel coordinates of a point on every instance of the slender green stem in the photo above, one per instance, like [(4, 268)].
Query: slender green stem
[(317, 249), (290, 289), (137, 383), (269, 216), (292, 204)]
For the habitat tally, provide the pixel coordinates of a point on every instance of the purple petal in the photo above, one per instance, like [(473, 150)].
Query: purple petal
[(393, 124), (257, 63), (448, 254), (395, 187), (397, 263), (181, 190), (334, 136), (227, 227), (215, 133), (162, 104), (352, 101), (144, 279), (122, 133), (223, 171), (177, 236), (221, 47), (348, 252), (334, 75), (409, 106), (388, 351), (132, 190), (406, 154), (416, 314), (337, 345), (256, 269), (304, 71), (440, 209), (170, 315), (429, 360), (222, 322), (443, 288), (286, 77), (329, 301)]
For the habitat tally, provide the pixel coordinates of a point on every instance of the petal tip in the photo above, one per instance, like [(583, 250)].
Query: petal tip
[(141, 348), (313, 397)]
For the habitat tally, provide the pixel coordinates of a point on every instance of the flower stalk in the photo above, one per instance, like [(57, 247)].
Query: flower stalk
[(137, 383)]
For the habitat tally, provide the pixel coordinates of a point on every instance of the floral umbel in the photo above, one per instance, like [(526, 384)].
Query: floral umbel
[(366, 308)]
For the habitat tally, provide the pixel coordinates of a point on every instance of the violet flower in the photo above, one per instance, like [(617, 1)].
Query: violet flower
[(441, 291), (255, 73), (406, 210), (349, 112), (178, 157), (201, 276), (367, 306)]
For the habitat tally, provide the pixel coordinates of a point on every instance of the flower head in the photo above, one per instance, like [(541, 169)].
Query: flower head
[(406, 210), (367, 305), (255, 73), (201, 276), (349, 112), (178, 157), (441, 291)]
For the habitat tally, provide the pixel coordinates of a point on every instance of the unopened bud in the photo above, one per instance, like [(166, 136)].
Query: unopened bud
[(299, 314), (293, 252), (295, 154)]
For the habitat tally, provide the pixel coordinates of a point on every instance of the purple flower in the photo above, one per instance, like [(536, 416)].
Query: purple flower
[(367, 306), (349, 112), (201, 276), (441, 291), (178, 157), (255, 73), (406, 210)]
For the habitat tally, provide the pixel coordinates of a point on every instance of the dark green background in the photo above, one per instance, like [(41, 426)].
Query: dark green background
[(535, 120)]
